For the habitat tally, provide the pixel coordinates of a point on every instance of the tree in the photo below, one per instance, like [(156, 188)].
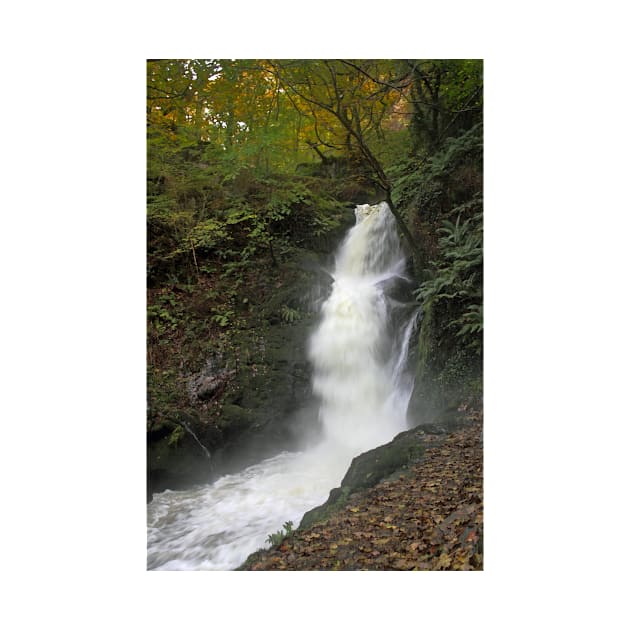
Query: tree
[(258, 118), (446, 97), (348, 101)]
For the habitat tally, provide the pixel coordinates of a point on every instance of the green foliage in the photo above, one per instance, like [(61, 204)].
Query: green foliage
[(471, 322), (197, 217), (222, 317), (289, 315), (209, 234), (457, 277), (435, 184), (176, 436), (446, 99), (164, 314), (224, 138), (228, 204), (281, 534), (457, 274), (455, 151)]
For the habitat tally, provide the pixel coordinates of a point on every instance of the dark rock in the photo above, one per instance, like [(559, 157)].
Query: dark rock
[(266, 406), (210, 381), (175, 454), (366, 470)]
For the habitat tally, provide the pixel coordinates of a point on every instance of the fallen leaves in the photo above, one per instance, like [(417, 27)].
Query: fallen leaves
[(431, 518)]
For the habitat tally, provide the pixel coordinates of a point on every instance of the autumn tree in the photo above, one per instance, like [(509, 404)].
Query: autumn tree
[(384, 117), (348, 102)]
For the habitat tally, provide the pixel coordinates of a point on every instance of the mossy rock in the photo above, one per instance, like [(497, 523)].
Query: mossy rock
[(368, 469), (235, 418), (383, 462), (447, 373)]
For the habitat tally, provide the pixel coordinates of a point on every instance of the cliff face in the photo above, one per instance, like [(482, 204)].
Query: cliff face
[(249, 396)]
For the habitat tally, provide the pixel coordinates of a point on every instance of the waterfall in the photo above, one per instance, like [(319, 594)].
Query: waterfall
[(357, 358), (358, 353)]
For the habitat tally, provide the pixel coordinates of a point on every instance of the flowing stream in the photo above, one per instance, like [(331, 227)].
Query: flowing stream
[(359, 355)]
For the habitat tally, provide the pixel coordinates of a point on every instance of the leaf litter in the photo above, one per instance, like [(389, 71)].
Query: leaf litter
[(429, 518)]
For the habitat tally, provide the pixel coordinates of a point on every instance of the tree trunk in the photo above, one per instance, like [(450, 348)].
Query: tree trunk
[(415, 250)]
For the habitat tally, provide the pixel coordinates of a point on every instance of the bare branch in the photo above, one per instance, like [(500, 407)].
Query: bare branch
[(401, 84), (168, 94)]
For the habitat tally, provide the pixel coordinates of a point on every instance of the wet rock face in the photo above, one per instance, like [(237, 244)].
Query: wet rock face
[(262, 411), (176, 459), (266, 412), (209, 382)]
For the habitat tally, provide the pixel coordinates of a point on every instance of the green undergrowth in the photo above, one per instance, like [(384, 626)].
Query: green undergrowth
[(231, 255), (442, 196)]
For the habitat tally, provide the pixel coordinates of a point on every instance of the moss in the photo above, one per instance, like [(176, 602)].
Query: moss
[(366, 471), (447, 372), (235, 418), (426, 343), (369, 468)]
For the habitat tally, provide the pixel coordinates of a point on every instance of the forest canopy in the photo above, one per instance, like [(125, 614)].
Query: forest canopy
[(253, 162), (211, 121)]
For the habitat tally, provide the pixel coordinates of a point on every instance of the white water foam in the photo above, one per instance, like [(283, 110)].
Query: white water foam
[(358, 375)]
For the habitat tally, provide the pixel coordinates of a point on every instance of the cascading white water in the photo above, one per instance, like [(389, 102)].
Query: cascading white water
[(358, 358), (356, 362)]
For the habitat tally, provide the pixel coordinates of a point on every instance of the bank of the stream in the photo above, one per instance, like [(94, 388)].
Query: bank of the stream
[(413, 504)]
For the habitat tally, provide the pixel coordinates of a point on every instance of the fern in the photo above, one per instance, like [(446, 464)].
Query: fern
[(289, 315), (275, 539), (457, 276), (426, 183), (223, 318)]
